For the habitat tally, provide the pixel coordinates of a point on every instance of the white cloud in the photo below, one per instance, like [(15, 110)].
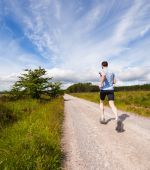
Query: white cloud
[(127, 20), (67, 75), (7, 81), (13, 60), (135, 74), (145, 30)]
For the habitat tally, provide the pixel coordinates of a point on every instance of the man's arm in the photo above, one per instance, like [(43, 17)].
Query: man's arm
[(102, 79), (114, 80)]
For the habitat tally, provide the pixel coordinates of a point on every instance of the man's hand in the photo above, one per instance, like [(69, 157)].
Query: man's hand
[(100, 85), (100, 74)]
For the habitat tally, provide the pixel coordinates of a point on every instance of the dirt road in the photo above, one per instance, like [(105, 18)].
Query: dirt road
[(89, 145)]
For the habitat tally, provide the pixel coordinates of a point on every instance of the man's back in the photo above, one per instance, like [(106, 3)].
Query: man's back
[(109, 80)]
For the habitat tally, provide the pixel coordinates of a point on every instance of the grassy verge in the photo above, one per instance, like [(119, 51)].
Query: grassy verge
[(132, 101), (30, 134)]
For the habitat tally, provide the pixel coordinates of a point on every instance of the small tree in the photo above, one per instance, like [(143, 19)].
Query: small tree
[(55, 89), (33, 83)]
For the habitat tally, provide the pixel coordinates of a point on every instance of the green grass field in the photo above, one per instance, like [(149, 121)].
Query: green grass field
[(133, 101), (30, 134)]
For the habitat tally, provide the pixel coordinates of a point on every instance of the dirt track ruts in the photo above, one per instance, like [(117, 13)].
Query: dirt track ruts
[(89, 145)]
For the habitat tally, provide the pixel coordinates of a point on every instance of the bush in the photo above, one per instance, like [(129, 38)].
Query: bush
[(6, 116)]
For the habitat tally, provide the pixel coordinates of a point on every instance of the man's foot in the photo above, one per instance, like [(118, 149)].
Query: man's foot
[(119, 121), (102, 121)]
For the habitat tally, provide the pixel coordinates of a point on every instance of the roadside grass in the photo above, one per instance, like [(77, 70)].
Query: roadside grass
[(30, 134), (137, 102)]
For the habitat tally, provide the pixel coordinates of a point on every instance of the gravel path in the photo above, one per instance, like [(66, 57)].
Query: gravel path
[(89, 145)]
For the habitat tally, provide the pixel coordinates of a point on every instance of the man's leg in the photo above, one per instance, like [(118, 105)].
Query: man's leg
[(102, 109), (102, 98), (114, 109)]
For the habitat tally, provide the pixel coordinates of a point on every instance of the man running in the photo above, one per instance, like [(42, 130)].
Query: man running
[(107, 80)]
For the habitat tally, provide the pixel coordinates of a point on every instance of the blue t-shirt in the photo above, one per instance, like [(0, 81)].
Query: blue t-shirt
[(109, 80)]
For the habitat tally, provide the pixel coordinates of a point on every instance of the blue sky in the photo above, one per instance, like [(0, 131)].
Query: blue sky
[(70, 38)]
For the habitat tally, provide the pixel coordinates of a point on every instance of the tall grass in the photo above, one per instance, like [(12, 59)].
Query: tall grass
[(132, 101), (32, 139)]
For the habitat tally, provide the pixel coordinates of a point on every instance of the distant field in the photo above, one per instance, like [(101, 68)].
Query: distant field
[(30, 133), (132, 101)]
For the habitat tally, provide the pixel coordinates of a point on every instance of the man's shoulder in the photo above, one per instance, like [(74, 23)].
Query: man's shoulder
[(109, 72)]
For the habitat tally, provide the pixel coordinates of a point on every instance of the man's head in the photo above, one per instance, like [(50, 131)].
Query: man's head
[(104, 64)]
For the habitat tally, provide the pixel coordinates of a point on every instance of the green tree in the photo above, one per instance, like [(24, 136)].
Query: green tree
[(82, 87), (55, 89), (34, 83)]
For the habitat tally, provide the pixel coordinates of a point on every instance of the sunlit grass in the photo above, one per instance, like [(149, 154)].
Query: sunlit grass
[(133, 101), (32, 139)]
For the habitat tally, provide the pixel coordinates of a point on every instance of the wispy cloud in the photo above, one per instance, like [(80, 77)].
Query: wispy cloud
[(145, 30), (72, 37)]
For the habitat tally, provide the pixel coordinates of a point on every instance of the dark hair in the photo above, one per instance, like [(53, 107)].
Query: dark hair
[(104, 63)]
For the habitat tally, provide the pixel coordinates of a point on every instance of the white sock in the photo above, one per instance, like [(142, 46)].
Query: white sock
[(102, 117), (117, 118)]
